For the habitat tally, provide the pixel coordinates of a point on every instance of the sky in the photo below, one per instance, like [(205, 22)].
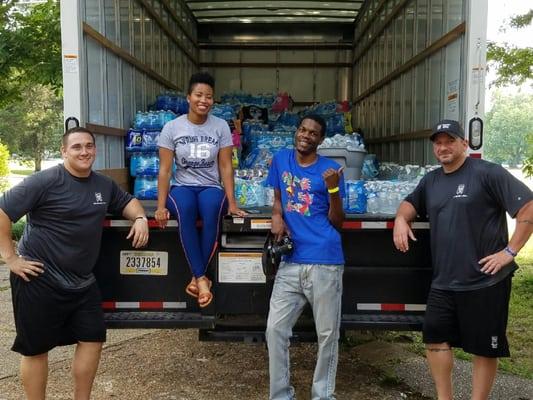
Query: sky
[(499, 14)]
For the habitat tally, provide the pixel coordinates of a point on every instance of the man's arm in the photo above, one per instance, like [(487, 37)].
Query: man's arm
[(278, 225), (336, 212), (402, 226), (18, 265), (524, 227), (139, 231)]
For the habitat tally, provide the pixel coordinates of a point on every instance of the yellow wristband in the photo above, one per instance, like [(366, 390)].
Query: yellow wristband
[(334, 190)]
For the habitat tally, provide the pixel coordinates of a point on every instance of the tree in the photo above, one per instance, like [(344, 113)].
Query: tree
[(4, 167), (527, 169), (508, 125), (513, 64), (32, 126), (30, 78), (30, 47)]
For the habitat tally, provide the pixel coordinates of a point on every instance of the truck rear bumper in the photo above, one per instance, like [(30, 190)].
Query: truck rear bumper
[(158, 320), (184, 320)]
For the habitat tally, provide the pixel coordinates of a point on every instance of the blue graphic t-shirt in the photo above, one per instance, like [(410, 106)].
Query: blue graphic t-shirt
[(305, 202)]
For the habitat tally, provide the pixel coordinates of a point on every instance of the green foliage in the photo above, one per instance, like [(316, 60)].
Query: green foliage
[(18, 228), (32, 125), (513, 64), (39, 40), (519, 21), (4, 167), (30, 48), (527, 168), (508, 126)]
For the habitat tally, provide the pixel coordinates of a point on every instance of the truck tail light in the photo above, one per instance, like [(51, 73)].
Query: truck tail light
[(475, 133)]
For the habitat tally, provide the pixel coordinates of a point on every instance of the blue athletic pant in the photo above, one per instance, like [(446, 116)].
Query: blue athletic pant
[(187, 204)]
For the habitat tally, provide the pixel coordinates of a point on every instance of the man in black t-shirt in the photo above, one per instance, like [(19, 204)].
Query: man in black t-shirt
[(55, 297), (473, 258)]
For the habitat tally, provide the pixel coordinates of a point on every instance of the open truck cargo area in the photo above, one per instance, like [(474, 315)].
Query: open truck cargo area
[(403, 64)]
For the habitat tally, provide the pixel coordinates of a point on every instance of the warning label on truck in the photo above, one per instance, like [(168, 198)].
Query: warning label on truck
[(260, 224), (240, 268)]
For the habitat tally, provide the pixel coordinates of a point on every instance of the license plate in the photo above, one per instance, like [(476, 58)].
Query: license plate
[(143, 262)]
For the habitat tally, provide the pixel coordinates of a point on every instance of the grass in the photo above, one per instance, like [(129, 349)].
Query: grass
[(24, 172)]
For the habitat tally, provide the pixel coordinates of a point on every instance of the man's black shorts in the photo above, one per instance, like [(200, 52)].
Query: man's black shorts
[(474, 320), (46, 317)]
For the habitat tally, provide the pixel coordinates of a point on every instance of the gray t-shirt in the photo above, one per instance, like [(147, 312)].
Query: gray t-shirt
[(196, 149), (64, 222), (466, 211)]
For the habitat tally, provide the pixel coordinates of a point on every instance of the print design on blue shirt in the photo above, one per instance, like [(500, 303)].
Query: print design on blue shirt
[(299, 197)]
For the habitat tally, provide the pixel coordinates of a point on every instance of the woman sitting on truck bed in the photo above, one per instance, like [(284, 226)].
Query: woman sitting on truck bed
[(201, 146)]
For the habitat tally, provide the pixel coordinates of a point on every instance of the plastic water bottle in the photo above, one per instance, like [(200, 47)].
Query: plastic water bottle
[(149, 140), (355, 200), (134, 140), (145, 188), (147, 165), (134, 163)]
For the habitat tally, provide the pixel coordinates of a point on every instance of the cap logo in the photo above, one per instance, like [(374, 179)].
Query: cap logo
[(443, 126)]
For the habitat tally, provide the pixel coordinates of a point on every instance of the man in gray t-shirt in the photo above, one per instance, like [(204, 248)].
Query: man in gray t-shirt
[(473, 258), (55, 297)]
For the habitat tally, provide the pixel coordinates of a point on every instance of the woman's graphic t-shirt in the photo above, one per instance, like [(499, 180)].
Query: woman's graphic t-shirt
[(196, 149)]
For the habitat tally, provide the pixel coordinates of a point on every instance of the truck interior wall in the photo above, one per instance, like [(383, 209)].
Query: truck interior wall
[(259, 59), (132, 53), (403, 85)]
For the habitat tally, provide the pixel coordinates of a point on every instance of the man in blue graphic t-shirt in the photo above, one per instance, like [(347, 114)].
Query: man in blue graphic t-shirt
[(308, 192)]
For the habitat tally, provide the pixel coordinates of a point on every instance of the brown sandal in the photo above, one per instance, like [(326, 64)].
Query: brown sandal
[(192, 289), (206, 297)]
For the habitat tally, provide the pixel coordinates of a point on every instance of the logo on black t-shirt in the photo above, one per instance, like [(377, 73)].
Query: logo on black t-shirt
[(98, 198), (460, 191)]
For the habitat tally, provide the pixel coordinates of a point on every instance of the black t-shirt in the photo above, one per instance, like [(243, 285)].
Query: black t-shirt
[(64, 222), (466, 211)]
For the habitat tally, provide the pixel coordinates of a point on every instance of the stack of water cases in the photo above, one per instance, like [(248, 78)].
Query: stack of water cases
[(141, 145)]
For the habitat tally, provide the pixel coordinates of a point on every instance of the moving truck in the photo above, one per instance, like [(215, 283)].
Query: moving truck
[(404, 64)]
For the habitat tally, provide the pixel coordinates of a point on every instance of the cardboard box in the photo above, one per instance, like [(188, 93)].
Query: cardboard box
[(119, 175)]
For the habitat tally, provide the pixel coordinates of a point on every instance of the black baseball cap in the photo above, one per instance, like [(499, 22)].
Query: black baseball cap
[(449, 126)]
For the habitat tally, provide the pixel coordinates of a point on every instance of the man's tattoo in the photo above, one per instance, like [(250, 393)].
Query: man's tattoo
[(525, 221)]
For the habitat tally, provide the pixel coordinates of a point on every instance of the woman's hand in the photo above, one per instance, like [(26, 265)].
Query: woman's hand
[(234, 210), (162, 215)]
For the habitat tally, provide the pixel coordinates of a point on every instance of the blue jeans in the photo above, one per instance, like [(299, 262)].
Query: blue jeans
[(295, 285)]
